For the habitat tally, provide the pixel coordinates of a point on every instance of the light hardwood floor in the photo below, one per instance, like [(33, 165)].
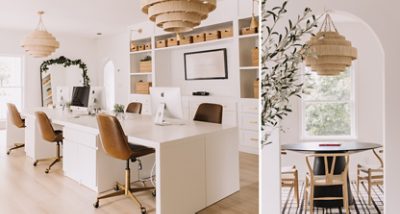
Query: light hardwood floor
[(26, 189)]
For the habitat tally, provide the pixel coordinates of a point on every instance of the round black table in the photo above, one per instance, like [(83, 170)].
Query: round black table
[(319, 167)]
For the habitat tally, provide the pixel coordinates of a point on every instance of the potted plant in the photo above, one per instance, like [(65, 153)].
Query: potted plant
[(119, 111)]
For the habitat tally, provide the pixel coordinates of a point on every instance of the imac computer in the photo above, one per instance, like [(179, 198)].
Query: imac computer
[(80, 96), (166, 105)]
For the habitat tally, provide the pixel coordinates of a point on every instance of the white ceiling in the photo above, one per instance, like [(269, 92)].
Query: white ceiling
[(77, 17)]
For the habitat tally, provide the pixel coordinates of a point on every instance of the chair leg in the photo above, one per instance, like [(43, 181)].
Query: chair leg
[(296, 186), (345, 197), (369, 188), (358, 182), (52, 163), (17, 146), (125, 190), (312, 198)]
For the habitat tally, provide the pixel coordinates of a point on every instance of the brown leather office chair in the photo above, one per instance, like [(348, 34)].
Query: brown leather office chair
[(115, 144), (134, 107), (50, 135), (16, 121), (209, 112)]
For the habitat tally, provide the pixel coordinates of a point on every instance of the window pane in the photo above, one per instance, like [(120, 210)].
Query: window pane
[(10, 71), (327, 119), (9, 95), (328, 87)]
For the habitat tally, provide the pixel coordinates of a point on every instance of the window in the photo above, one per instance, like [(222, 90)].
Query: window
[(328, 106), (10, 83)]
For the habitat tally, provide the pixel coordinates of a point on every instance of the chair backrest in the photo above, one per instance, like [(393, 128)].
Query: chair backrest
[(45, 127), (209, 112), (134, 107), (379, 154), (329, 161), (15, 116), (113, 138)]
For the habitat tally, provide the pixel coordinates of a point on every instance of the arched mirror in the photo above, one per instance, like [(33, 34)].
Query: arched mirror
[(58, 76)]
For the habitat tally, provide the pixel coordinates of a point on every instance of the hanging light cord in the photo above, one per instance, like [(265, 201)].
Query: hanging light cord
[(40, 25), (327, 24)]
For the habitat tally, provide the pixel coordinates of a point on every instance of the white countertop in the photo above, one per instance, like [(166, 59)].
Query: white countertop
[(137, 127)]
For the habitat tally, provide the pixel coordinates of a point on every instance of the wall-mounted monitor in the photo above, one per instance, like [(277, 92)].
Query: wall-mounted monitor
[(206, 65)]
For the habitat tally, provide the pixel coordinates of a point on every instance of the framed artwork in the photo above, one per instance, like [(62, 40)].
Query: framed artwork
[(205, 65)]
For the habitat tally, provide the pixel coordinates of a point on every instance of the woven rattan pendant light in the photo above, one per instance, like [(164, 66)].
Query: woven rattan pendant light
[(40, 43), (330, 53), (177, 16)]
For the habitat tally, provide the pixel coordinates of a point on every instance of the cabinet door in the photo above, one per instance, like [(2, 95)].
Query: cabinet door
[(87, 166), (70, 160)]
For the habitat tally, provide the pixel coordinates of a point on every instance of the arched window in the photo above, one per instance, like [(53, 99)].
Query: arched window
[(109, 85)]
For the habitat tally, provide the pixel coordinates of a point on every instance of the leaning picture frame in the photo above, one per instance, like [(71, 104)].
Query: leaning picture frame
[(206, 65)]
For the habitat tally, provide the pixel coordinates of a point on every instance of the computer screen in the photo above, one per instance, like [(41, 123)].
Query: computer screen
[(80, 96), (168, 96)]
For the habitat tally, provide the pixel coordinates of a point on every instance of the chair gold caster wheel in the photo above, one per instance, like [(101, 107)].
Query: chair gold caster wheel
[(154, 193), (143, 210), (47, 171), (96, 204)]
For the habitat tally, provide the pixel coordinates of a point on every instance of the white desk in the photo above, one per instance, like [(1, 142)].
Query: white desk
[(197, 163)]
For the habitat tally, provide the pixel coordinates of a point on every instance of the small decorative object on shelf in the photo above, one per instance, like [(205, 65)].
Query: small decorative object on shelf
[(199, 38), (226, 33), (186, 40), (254, 56), (255, 88), (145, 64), (213, 35), (147, 46), (172, 42), (141, 47), (133, 46), (119, 111), (248, 30), (162, 43), (201, 93), (142, 87)]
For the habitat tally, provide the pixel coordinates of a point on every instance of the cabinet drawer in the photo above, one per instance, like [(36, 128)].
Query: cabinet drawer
[(249, 107), (250, 138), (82, 138), (249, 122)]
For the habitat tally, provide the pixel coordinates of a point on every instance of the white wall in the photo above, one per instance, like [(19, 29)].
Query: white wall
[(369, 107), (116, 49), (70, 46)]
